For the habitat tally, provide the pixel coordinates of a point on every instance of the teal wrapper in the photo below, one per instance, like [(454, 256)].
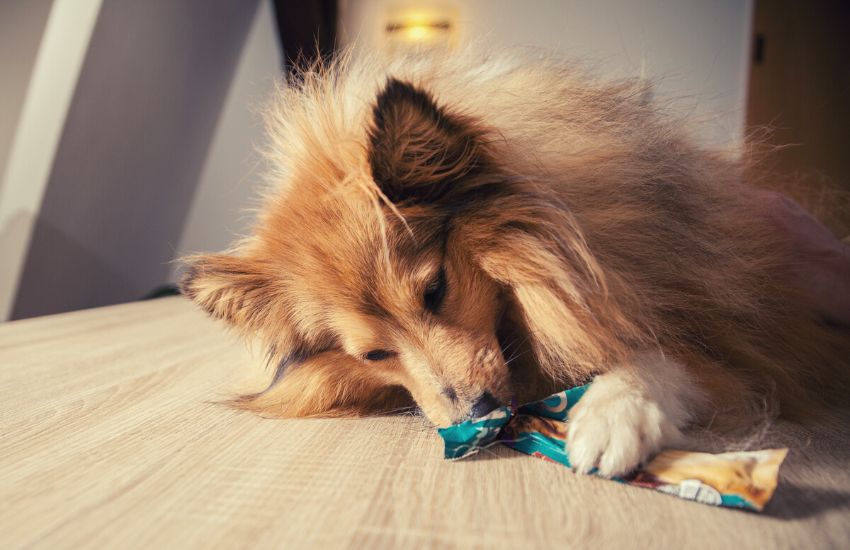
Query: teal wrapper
[(471, 436), (539, 429)]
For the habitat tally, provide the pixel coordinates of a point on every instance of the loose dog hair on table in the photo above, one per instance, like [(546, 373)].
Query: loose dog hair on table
[(465, 230)]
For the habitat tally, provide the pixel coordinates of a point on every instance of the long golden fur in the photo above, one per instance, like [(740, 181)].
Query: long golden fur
[(569, 223)]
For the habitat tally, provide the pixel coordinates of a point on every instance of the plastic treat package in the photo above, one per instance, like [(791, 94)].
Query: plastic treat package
[(737, 480)]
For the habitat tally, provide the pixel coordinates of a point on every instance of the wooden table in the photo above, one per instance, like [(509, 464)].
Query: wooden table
[(110, 439)]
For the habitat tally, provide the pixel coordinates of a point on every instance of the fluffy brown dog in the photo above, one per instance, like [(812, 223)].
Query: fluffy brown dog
[(473, 230)]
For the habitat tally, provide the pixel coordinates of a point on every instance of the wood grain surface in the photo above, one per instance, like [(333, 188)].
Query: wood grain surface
[(111, 439)]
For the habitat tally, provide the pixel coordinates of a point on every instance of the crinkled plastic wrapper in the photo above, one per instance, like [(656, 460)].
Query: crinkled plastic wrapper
[(736, 480)]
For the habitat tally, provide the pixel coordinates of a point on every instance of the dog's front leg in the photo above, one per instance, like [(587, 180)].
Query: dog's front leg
[(631, 412)]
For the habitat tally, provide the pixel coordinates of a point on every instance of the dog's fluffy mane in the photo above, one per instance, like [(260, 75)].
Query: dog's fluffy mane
[(609, 229)]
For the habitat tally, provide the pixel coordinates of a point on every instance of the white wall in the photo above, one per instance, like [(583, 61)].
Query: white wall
[(44, 45), (699, 49), (233, 169), (22, 24), (127, 137), (132, 148)]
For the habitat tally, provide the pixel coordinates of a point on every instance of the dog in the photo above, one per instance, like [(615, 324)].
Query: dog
[(466, 231)]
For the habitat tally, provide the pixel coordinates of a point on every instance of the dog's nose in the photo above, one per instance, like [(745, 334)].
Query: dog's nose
[(485, 404)]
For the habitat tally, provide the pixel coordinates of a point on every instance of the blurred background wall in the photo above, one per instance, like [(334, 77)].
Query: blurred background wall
[(42, 47), (232, 171), (22, 25), (128, 129), (132, 152), (697, 51)]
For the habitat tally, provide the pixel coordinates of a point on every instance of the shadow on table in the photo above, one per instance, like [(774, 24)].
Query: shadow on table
[(793, 501)]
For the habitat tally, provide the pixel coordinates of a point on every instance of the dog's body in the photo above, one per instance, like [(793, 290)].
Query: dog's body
[(472, 230)]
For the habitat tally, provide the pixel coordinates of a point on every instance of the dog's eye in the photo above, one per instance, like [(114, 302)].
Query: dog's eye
[(435, 292), (378, 355)]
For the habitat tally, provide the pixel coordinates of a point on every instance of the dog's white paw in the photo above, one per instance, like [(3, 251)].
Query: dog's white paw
[(617, 425)]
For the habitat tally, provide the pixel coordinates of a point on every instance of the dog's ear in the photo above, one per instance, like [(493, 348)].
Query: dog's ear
[(240, 291), (571, 308), (419, 152), (330, 383)]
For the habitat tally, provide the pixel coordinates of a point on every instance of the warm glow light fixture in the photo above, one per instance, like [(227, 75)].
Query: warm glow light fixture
[(424, 27)]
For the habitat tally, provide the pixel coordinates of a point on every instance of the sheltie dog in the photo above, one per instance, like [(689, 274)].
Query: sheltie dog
[(472, 230)]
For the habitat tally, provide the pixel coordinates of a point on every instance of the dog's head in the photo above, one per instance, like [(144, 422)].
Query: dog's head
[(412, 258)]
